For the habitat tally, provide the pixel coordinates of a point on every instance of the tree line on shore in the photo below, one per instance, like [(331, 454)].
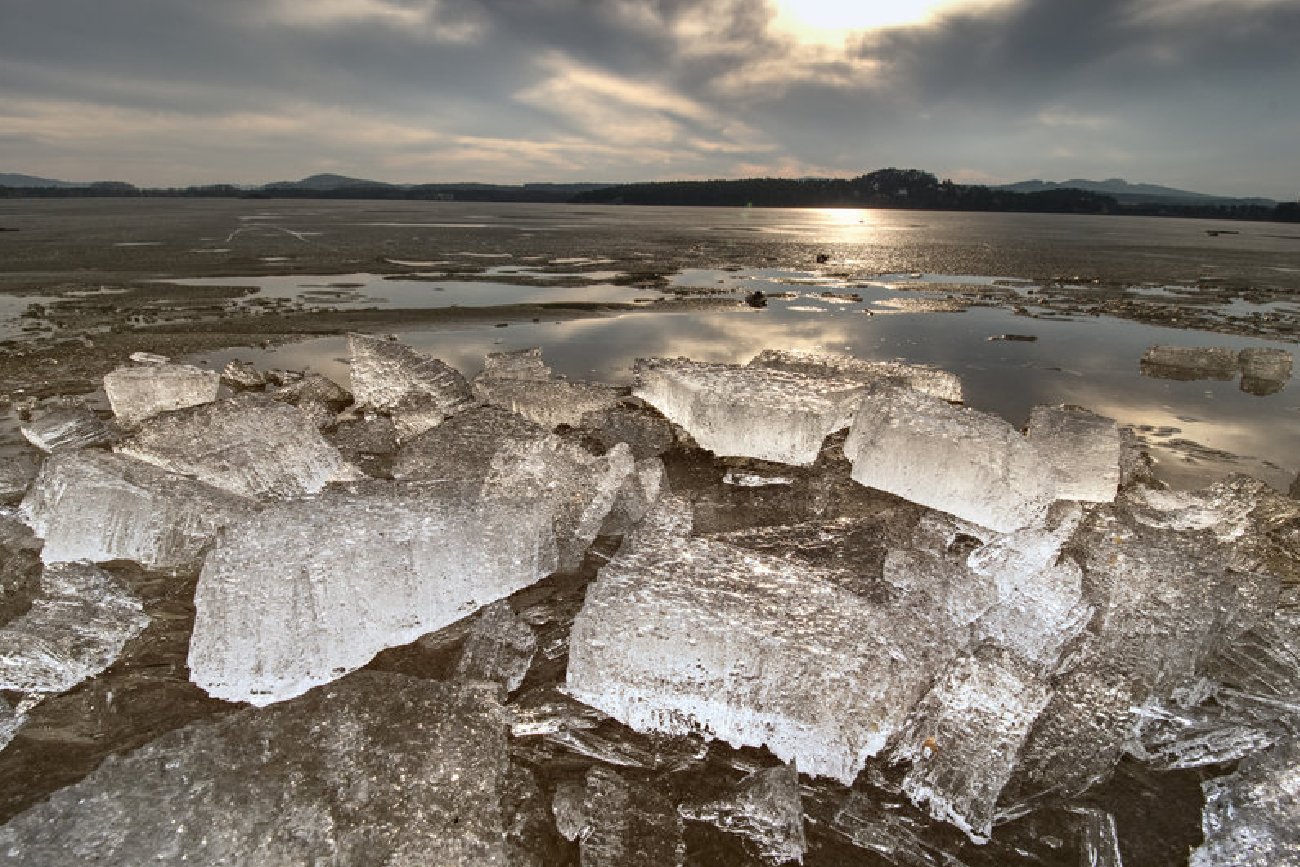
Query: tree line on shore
[(886, 188)]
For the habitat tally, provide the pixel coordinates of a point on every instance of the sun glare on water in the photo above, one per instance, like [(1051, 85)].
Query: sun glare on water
[(832, 20)]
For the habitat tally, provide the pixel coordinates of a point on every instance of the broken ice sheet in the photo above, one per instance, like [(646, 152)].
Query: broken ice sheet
[(500, 648), (249, 444), (308, 590), (757, 412), (520, 364), (97, 506), (1190, 362), (463, 446), (766, 808), (922, 377), (419, 392), (375, 770), (630, 421), (636, 496), (1081, 448), (963, 738), (1250, 816), (692, 635), (75, 629), (967, 463), (627, 824), (138, 393), (66, 428), (548, 403)]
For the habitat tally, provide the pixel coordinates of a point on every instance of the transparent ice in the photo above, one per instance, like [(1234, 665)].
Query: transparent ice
[(766, 808), (138, 393), (419, 392), (500, 648), (930, 380), (1081, 448), (71, 427), (1250, 815)]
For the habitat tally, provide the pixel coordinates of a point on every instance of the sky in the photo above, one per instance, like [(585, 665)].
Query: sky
[(1197, 94)]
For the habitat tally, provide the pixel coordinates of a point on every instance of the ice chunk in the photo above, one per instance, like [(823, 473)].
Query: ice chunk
[(1190, 362), (1082, 449), (1250, 816), (138, 393), (74, 630), (377, 769), (97, 506), (964, 736), (630, 421), (309, 590), (16, 475), (10, 722), (549, 403), (419, 392), (693, 635), (628, 824), (242, 374), (578, 487), (922, 377), (148, 358), (756, 412), (500, 648), (1265, 371), (71, 427), (250, 445), (463, 446), (569, 810), (767, 808), (521, 364), (970, 464), (1173, 737), (636, 496)]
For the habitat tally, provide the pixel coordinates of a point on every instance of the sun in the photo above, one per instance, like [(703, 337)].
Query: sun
[(832, 20)]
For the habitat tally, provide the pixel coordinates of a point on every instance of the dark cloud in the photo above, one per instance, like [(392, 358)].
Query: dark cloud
[(1189, 92)]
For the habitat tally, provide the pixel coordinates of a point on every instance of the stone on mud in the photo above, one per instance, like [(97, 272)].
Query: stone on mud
[(138, 393)]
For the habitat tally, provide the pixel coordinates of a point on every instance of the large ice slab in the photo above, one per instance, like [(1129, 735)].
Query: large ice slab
[(97, 506), (249, 445), (74, 630), (138, 393), (922, 377), (1190, 362), (463, 446), (766, 807), (963, 738), (1082, 449), (375, 770), (419, 392), (1264, 370), (692, 635), (757, 412), (309, 590), (967, 463), (1250, 816), (70, 427), (548, 403)]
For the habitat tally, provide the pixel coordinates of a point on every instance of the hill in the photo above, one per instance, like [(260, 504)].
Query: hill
[(15, 180), (1134, 194)]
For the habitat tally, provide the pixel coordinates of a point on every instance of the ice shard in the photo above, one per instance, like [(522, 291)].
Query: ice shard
[(1250, 815), (98, 506), (375, 770), (526, 364), (138, 393), (242, 374), (630, 421), (766, 808), (308, 590), (70, 427), (1082, 449), (757, 412), (75, 629), (967, 463), (10, 722), (636, 496), (549, 403), (683, 635), (922, 377), (500, 648), (580, 489), (1190, 362), (963, 738), (463, 446), (628, 824), (419, 392), (249, 445)]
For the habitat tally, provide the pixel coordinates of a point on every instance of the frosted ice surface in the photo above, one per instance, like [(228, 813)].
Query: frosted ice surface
[(628, 824), (75, 629), (1173, 737), (963, 738), (922, 377), (250, 445), (138, 393), (1265, 371), (500, 647), (636, 496), (757, 412), (693, 635), (549, 403), (630, 421), (1082, 449), (970, 464), (1250, 817), (66, 428), (1190, 362), (520, 364), (767, 808), (418, 391), (579, 488), (463, 446), (242, 374), (308, 590), (375, 770), (97, 506)]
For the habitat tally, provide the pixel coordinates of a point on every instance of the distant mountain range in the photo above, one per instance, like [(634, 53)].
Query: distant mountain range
[(330, 183), (1134, 194), (11, 180)]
